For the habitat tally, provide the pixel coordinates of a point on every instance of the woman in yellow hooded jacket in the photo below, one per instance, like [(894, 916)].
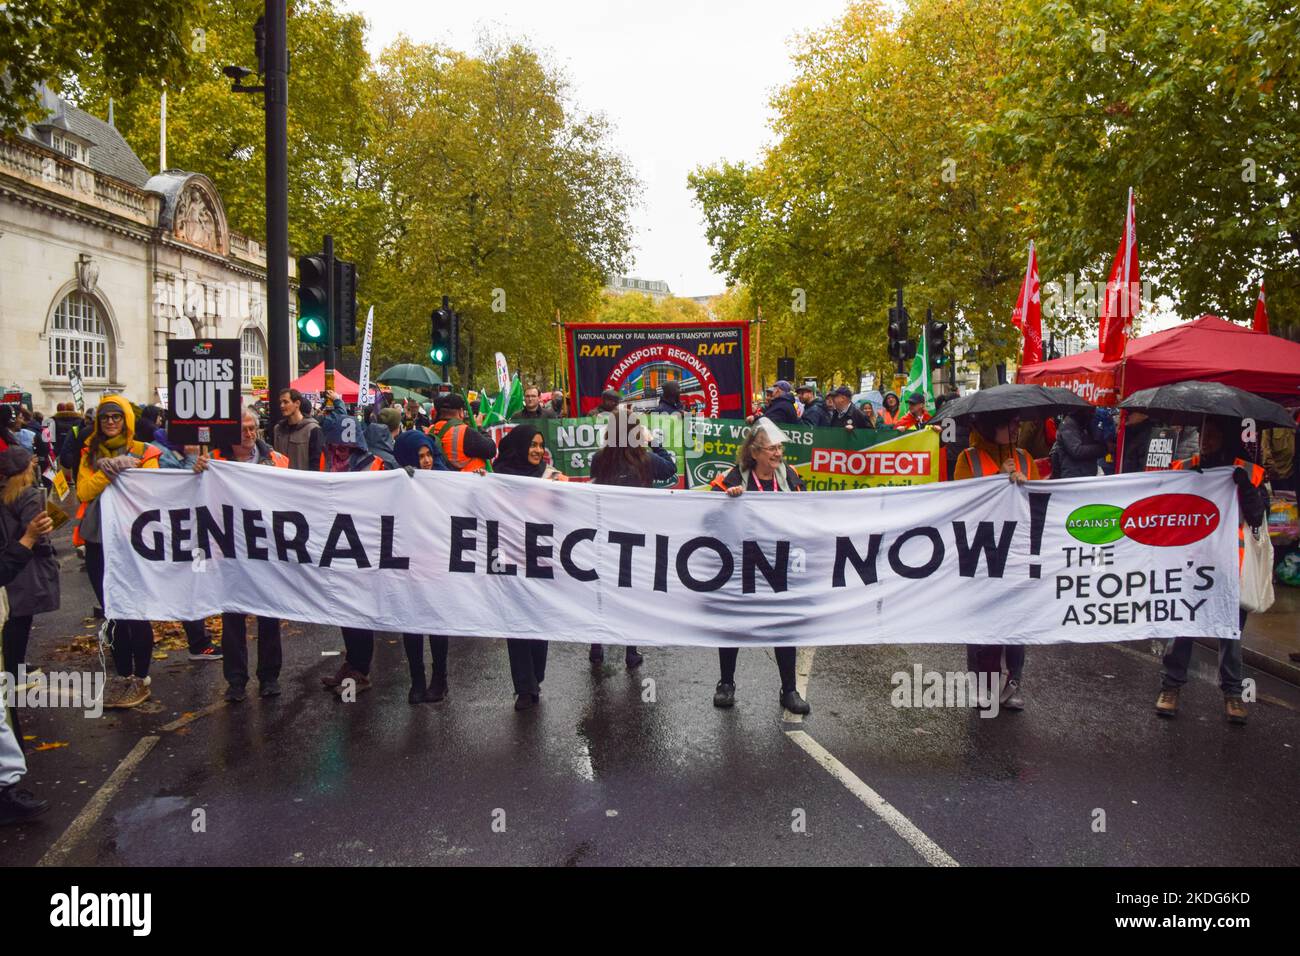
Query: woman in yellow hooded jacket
[(109, 450)]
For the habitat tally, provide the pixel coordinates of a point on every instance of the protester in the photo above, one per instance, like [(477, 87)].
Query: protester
[(627, 458), (1220, 441), (610, 399), (1137, 436), (1277, 451), (523, 453), (17, 804), (110, 450), (379, 441), (416, 451), (917, 416), (889, 411), (464, 447), (8, 428), (66, 419), (533, 407), (35, 589), (844, 414), (234, 627), (296, 435), (559, 404), (780, 406), (960, 436), (814, 411), (670, 398), (149, 423), (760, 468), (992, 451), (1078, 446)]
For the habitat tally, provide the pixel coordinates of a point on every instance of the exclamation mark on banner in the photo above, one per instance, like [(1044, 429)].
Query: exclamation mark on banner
[(1037, 520)]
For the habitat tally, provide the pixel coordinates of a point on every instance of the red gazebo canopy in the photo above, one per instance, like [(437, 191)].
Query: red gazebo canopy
[(1209, 349), (314, 382)]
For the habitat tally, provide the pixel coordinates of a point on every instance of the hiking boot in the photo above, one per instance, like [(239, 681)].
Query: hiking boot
[(634, 658), (792, 702), (132, 692), (597, 654), (1234, 708), (724, 695), (235, 693), (1012, 699), (115, 691), (18, 805), (1167, 702), (208, 653)]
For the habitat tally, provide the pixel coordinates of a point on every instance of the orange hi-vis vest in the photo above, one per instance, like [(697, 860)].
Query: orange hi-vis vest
[(453, 445), (1254, 472), (277, 459), (982, 463), (376, 463)]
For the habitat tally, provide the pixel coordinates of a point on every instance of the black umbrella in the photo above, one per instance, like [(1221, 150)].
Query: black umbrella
[(1023, 401), (1187, 403)]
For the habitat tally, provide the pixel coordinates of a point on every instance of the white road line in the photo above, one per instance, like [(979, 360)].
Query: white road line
[(57, 854), (187, 719), (930, 851)]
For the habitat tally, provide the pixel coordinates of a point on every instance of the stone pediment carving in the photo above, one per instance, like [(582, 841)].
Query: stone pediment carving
[(192, 212)]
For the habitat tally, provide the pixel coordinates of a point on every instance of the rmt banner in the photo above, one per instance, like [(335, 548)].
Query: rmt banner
[(979, 561), (203, 391), (709, 361)]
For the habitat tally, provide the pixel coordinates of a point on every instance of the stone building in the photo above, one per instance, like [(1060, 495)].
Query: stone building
[(101, 264)]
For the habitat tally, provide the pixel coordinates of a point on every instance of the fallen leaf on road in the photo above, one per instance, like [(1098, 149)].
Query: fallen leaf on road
[(160, 657), (52, 745)]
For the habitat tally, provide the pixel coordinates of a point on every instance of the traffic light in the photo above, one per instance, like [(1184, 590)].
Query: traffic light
[(442, 334), (313, 299), (900, 349), (936, 341), (345, 303)]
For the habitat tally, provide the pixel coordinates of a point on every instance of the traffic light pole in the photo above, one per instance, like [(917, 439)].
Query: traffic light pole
[(331, 347), (276, 104)]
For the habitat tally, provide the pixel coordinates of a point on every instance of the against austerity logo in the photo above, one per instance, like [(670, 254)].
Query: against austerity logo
[(1162, 521)]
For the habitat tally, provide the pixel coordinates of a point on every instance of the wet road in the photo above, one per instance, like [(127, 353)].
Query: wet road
[(640, 769)]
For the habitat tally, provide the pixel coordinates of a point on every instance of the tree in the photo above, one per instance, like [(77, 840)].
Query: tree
[(51, 42), (639, 307)]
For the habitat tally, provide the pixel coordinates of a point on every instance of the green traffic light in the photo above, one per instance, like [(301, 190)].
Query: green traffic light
[(311, 328), (438, 354)]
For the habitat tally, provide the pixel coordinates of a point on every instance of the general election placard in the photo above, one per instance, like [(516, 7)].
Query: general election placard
[(1121, 558), (203, 400)]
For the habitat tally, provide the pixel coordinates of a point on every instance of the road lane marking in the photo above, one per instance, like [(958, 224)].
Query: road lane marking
[(186, 719), (930, 851), (57, 854)]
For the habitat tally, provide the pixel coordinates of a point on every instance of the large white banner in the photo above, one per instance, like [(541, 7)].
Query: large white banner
[(982, 561)]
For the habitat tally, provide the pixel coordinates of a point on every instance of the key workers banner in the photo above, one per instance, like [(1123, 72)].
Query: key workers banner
[(982, 561)]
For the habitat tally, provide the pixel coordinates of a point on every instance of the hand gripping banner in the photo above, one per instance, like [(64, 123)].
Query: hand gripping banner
[(981, 561)]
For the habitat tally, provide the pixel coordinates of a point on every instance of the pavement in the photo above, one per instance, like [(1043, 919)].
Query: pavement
[(638, 768)]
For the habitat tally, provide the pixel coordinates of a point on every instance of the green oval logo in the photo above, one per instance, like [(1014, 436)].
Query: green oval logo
[(1095, 524)]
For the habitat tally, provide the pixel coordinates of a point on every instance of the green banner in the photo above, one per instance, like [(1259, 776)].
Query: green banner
[(573, 442)]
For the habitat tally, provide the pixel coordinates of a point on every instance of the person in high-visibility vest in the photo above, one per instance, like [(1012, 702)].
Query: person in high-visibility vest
[(993, 451), (109, 450), (465, 447), (1220, 446), (234, 627)]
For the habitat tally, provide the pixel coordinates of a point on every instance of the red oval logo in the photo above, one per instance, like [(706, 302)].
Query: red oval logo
[(1167, 521)]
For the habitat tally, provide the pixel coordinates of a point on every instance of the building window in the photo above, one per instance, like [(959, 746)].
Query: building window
[(252, 356), (77, 339)]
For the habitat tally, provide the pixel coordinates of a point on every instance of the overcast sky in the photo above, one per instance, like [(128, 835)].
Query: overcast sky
[(684, 84)]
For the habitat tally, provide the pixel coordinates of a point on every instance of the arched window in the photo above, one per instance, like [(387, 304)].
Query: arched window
[(252, 355), (77, 339)]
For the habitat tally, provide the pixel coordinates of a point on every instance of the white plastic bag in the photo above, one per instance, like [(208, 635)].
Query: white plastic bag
[(1257, 571)]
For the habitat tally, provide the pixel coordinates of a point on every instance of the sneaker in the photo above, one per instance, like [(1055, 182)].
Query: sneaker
[(634, 658), (235, 693), (1167, 702), (792, 702), (269, 688), (208, 653), (1234, 708), (348, 672), (115, 691), (597, 654), (18, 805), (132, 692), (329, 683), (724, 695), (1011, 696)]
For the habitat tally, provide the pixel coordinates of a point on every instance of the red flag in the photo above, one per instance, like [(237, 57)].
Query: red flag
[(1027, 316), (1122, 299), (1261, 312)]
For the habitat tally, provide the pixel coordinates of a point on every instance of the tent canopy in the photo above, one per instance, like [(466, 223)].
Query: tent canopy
[(314, 382), (1208, 349)]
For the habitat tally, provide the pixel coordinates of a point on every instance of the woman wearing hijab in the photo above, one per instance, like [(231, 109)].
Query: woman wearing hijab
[(110, 450), (416, 451), (523, 452), (627, 459), (760, 468)]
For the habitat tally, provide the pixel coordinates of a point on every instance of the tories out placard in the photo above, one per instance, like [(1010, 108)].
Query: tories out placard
[(203, 391)]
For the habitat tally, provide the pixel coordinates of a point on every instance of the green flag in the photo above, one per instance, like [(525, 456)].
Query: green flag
[(504, 404), (919, 380)]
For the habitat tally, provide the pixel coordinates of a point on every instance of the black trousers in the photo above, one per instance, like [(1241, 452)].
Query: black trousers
[(527, 664), (360, 645), (785, 658), (17, 631), (414, 644), (987, 659), (132, 640), (196, 635), (234, 649)]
